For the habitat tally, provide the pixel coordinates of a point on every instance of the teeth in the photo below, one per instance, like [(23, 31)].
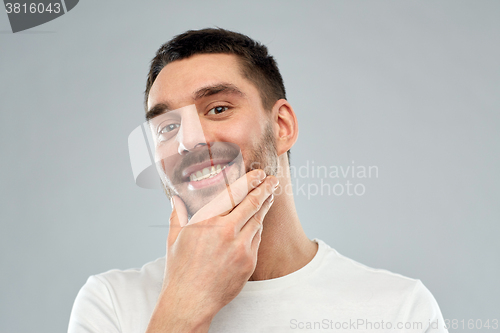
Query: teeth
[(206, 173)]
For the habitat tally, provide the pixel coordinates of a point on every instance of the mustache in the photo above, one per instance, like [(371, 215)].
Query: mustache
[(212, 151)]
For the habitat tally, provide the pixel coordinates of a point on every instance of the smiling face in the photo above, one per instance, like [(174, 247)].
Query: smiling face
[(209, 127)]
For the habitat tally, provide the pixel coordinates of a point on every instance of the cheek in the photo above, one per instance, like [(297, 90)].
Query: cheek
[(166, 158), (245, 136)]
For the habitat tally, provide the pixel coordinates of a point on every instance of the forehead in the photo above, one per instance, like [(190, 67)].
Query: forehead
[(178, 80)]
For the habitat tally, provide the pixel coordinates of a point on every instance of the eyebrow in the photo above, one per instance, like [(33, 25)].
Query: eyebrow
[(226, 88), (221, 88)]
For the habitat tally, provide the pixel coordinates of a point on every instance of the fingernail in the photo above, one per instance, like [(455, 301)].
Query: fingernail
[(277, 184), (262, 175), (172, 202), (270, 199)]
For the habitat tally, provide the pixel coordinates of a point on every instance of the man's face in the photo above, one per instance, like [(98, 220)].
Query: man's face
[(212, 128)]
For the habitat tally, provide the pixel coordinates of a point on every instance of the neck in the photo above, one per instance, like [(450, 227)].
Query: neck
[(284, 247)]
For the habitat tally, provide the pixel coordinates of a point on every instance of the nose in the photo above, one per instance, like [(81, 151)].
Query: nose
[(190, 134)]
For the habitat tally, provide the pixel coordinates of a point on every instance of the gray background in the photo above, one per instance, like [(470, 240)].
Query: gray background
[(411, 87)]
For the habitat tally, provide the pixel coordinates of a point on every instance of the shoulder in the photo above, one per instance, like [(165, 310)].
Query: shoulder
[(373, 286), (341, 268), (106, 299), (150, 274)]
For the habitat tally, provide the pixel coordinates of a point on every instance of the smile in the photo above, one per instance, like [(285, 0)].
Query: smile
[(208, 172)]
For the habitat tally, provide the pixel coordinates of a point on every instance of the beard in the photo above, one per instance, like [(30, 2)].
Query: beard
[(263, 155)]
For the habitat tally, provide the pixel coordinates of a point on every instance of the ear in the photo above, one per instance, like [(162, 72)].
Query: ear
[(286, 124)]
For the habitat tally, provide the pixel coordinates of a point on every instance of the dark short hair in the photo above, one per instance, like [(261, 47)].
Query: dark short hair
[(257, 65)]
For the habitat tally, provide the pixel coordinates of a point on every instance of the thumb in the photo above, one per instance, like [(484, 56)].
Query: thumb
[(178, 219)]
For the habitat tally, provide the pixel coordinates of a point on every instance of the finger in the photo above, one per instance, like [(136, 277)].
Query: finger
[(259, 217), (254, 247), (229, 198), (178, 219), (253, 202), (250, 233)]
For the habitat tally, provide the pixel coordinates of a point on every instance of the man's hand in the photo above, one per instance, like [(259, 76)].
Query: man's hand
[(210, 259)]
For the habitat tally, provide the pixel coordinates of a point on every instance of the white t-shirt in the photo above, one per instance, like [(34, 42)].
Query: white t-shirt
[(331, 293)]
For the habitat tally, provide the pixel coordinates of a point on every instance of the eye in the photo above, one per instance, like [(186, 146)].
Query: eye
[(167, 132), (168, 128), (217, 110)]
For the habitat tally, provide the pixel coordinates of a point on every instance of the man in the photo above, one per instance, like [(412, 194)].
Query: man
[(237, 257)]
